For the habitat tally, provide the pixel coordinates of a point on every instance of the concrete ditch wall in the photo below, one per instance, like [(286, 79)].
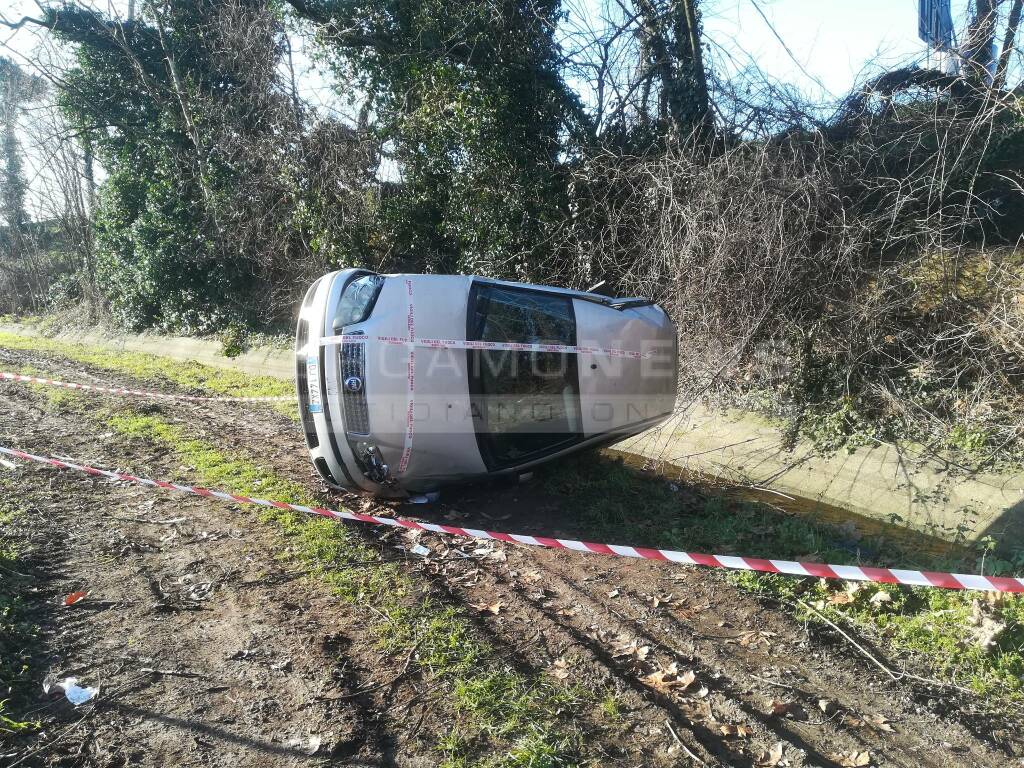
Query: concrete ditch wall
[(878, 483)]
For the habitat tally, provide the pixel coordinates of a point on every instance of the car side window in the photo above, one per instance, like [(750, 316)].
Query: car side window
[(525, 404)]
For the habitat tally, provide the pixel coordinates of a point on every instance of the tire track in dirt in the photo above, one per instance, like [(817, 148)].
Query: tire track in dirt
[(407, 710), (263, 438), (258, 668), (813, 669), (727, 675)]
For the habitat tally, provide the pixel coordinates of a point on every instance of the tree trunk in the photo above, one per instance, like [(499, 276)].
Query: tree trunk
[(676, 54), (1008, 42), (88, 171), (978, 45), (701, 99)]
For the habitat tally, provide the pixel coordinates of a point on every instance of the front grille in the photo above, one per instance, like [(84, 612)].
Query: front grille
[(302, 384), (357, 412)]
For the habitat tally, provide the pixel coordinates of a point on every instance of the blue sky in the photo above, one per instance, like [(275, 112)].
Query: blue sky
[(834, 41)]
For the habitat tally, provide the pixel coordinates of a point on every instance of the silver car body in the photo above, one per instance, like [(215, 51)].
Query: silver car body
[(357, 398)]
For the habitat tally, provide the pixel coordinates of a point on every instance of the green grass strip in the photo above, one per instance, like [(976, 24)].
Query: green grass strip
[(18, 632), (145, 367)]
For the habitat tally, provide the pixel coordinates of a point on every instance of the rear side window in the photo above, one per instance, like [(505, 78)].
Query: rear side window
[(357, 300), (526, 405)]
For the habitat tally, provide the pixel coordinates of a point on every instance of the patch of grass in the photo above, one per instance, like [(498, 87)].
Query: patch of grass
[(939, 626), (611, 708), (18, 634), (505, 718), (56, 399), (144, 367), (616, 503)]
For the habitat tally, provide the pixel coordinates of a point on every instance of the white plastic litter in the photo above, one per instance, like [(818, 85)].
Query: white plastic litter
[(75, 693), (425, 498), (420, 550)]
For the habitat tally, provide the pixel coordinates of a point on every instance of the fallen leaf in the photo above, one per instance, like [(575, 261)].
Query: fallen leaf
[(661, 681), (632, 649), (771, 757), (667, 680), (853, 759), (494, 608), (753, 638), (840, 598), (879, 722), (74, 597), (560, 669), (788, 709), (733, 731)]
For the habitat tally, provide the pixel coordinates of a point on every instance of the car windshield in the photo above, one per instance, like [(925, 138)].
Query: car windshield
[(526, 404), (357, 300)]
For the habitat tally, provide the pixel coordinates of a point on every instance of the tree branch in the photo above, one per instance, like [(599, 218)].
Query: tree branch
[(24, 20)]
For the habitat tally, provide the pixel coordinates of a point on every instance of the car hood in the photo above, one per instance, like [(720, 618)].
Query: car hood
[(443, 435)]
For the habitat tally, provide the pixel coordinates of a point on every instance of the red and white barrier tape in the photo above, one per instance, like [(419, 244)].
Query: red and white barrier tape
[(787, 567), (6, 376), (410, 411), (487, 345)]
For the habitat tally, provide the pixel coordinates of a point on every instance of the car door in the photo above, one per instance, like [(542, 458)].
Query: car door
[(525, 404)]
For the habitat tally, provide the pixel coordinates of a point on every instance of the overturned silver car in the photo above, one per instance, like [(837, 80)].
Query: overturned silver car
[(410, 382)]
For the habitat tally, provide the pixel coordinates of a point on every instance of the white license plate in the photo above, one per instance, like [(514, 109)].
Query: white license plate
[(313, 382)]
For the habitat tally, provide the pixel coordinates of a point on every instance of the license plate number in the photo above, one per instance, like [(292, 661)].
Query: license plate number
[(313, 382)]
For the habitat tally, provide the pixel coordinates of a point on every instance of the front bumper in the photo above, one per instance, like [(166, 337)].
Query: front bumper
[(318, 371)]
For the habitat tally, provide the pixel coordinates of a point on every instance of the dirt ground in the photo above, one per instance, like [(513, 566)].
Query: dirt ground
[(211, 648)]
